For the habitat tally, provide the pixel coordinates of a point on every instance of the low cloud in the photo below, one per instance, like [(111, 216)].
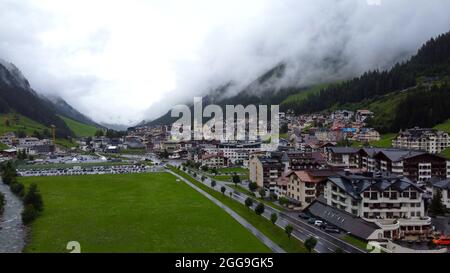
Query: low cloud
[(121, 63)]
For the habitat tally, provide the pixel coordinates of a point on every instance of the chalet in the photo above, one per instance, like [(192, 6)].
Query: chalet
[(214, 160), (393, 203), (305, 186), (416, 165), (422, 139)]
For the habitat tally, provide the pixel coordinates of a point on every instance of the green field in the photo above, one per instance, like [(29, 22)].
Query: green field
[(355, 242), (133, 213), (444, 126), (384, 142), (233, 170), (446, 153), (303, 95), (80, 129), (19, 123)]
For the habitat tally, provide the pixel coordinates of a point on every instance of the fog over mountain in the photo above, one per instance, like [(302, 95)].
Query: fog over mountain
[(124, 61)]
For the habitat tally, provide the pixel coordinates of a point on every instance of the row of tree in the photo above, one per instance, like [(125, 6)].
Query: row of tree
[(31, 198)]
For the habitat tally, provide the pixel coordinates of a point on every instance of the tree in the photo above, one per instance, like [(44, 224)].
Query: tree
[(236, 179), (205, 168), (260, 209), (288, 229), (223, 190), (203, 178), (33, 197), (248, 202), (29, 214), (9, 173), (99, 133), (310, 244), (18, 189), (213, 183), (273, 218), (283, 201), (253, 186), (437, 206), (273, 197), (262, 193)]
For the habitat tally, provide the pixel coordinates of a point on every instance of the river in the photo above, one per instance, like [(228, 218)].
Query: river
[(12, 232)]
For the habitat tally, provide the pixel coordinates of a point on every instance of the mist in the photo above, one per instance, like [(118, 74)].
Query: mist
[(125, 62)]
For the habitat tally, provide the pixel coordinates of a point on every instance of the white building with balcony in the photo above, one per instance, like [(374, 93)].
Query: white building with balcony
[(429, 140), (394, 203)]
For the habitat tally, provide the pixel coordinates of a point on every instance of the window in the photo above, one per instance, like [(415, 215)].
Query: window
[(393, 195), (373, 196)]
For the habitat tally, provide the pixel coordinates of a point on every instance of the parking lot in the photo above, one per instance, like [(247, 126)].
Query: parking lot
[(98, 170)]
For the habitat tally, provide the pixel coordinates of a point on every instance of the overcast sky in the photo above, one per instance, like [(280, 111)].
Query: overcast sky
[(125, 61)]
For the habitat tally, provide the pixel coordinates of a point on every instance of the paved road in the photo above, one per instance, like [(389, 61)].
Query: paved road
[(269, 243), (326, 243)]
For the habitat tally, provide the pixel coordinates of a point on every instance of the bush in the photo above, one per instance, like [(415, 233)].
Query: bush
[(248, 202), (29, 214), (18, 189), (253, 187), (283, 201), (262, 193), (273, 218), (33, 197), (260, 209), (310, 244)]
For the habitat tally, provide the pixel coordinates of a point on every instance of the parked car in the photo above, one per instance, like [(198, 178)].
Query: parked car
[(318, 223), (304, 216), (443, 241), (312, 220), (332, 230)]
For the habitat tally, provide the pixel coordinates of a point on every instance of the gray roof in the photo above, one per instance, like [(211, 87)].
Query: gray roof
[(444, 184), (343, 150), (342, 219), (398, 155), (355, 185)]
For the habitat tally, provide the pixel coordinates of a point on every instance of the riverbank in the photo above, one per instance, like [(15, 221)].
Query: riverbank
[(13, 233)]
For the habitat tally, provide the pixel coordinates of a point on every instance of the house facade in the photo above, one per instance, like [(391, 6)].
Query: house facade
[(423, 139), (305, 186), (416, 165), (394, 203)]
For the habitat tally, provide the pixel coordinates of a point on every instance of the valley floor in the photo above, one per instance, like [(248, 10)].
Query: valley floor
[(133, 213)]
